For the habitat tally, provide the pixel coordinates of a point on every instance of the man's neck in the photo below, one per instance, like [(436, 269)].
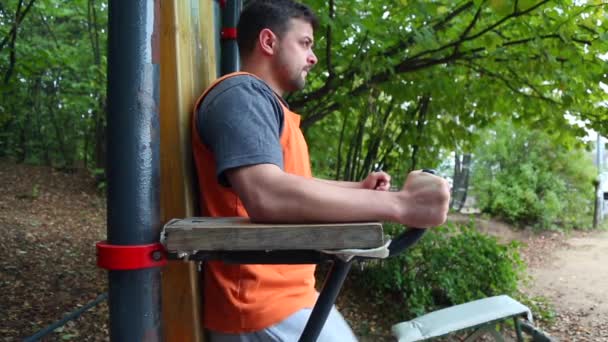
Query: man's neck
[(263, 72)]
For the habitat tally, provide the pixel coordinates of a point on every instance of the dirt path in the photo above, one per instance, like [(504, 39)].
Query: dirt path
[(49, 224), (569, 271), (575, 279)]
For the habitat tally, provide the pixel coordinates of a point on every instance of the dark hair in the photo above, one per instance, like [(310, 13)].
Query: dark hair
[(272, 14)]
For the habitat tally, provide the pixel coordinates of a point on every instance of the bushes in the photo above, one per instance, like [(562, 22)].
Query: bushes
[(527, 178), (450, 265)]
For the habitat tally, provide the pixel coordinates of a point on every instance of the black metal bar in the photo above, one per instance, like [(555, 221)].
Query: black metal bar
[(536, 334), (71, 316), (327, 298), (520, 337), (229, 49), (404, 241), (291, 257), (217, 24), (133, 164)]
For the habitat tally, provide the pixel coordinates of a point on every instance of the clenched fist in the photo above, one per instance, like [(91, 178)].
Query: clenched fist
[(425, 200), (377, 181)]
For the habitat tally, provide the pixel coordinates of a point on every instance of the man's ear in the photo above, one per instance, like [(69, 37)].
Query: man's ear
[(267, 40)]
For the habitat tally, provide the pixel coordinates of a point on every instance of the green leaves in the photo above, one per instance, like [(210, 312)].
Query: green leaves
[(502, 7), (450, 265), (479, 61), (56, 95), (530, 177)]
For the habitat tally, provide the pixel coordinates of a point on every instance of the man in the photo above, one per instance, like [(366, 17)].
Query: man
[(252, 161)]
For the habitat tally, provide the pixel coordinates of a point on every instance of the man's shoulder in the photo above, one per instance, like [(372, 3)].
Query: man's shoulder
[(237, 88)]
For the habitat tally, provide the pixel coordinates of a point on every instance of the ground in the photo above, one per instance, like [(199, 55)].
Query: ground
[(569, 271), (575, 279), (51, 220)]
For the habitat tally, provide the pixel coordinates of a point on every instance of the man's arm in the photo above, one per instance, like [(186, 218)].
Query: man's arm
[(374, 181), (271, 195)]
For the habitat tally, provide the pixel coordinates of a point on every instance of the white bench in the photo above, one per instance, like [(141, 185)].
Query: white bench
[(479, 315)]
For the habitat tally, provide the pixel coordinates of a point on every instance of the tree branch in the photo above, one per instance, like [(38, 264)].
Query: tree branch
[(507, 82), (415, 63), (471, 24), (18, 20), (515, 14), (350, 72), (437, 27), (329, 40), (48, 29)]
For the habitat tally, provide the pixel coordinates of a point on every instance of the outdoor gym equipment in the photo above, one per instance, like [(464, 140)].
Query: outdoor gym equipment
[(161, 56), (238, 241)]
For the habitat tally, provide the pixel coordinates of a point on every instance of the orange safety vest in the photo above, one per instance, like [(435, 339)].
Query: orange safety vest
[(246, 298)]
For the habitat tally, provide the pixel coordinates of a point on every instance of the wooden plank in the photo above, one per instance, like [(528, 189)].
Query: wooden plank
[(236, 233), (187, 66)]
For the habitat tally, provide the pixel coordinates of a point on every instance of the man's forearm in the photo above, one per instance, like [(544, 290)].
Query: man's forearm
[(344, 184), (270, 195)]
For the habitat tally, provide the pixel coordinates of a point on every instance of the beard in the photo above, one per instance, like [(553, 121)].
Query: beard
[(290, 74)]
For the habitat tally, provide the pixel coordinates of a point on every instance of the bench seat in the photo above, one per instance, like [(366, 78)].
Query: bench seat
[(459, 317)]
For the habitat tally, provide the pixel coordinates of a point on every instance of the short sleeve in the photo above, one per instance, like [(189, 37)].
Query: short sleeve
[(240, 121)]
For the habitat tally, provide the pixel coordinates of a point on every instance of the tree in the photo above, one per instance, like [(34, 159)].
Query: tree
[(528, 177), (469, 62), (53, 101)]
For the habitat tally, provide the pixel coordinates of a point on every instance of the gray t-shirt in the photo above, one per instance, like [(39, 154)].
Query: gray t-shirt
[(240, 120)]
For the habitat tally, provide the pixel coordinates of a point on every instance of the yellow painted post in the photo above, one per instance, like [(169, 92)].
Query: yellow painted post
[(187, 66)]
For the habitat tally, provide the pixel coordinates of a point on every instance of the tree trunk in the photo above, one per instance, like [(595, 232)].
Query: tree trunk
[(339, 159), (22, 150), (424, 107), (466, 163), (99, 126), (100, 136), (11, 38), (460, 186), (456, 180)]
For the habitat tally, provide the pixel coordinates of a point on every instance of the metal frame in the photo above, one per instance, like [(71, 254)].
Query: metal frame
[(134, 168)]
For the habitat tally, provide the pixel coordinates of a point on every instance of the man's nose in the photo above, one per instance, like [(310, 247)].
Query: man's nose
[(312, 58)]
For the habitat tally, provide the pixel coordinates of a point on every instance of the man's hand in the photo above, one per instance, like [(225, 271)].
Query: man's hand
[(425, 200), (377, 181)]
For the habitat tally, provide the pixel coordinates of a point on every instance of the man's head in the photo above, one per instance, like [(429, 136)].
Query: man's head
[(279, 33)]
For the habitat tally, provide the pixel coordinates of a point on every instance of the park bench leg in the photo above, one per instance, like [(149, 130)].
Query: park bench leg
[(488, 328), (497, 336), (520, 336)]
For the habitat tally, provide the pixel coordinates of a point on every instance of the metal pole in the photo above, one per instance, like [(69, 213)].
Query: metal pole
[(133, 164), (600, 167), (217, 22), (230, 51), (327, 298), (597, 208)]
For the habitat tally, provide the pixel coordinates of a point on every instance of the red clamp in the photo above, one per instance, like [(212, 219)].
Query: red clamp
[(223, 3), (130, 257), (228, 33)]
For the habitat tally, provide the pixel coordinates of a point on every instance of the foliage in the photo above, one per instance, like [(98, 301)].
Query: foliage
[(399, 81), (450, 265), (53, 81), (525, 177)]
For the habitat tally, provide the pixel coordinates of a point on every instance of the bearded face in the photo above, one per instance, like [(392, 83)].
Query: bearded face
[(294, 55), (293, 73)]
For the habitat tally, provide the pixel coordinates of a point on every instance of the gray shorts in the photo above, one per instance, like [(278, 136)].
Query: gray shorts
[(290, 329)]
